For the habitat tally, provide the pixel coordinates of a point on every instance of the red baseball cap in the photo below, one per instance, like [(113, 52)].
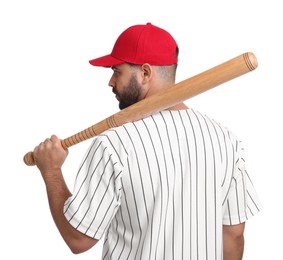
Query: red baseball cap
[(141, 44)]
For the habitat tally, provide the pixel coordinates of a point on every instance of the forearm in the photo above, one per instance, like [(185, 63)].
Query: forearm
[(58, 193)]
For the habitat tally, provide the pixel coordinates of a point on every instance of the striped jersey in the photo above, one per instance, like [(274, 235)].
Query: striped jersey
[(162, 188)]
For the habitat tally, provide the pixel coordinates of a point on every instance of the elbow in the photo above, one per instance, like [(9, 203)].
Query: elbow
[(76, 249), (76, 252), (80, 246)]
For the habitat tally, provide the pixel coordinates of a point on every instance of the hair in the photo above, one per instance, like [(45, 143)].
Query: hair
[(167, 72)]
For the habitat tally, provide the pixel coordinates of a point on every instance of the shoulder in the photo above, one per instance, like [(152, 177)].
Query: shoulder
[(215, 127), (115, 139)]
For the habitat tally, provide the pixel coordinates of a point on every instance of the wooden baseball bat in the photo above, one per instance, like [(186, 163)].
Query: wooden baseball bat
[(174, 95)]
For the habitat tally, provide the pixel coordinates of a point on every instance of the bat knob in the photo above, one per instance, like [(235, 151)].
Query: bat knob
[(28, 159)]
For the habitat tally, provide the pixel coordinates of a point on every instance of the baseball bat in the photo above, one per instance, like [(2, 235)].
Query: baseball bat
[(174, 95)]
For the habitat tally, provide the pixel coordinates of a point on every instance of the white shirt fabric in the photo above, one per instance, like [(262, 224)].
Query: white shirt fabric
[(162, 187)]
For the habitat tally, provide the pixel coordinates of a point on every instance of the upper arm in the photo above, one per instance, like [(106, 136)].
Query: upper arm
[(233, 231), (233, 241)]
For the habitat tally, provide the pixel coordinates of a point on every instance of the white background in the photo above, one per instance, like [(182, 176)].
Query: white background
[(48, 87)]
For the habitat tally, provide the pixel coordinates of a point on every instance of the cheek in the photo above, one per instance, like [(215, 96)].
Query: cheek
[(120, 85)]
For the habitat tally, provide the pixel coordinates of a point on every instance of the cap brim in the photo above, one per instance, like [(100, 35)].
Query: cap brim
[(106, 61)]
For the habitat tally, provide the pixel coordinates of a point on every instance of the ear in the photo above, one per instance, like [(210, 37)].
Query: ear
[(147, 73)]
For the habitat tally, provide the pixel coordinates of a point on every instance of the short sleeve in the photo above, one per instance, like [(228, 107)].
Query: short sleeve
[(97, 191), (242, 201)]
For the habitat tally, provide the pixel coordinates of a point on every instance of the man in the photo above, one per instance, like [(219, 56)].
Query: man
[(169, 186)]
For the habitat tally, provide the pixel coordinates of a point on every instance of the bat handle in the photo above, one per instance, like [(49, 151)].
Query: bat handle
[(79, 137), (29, 159)]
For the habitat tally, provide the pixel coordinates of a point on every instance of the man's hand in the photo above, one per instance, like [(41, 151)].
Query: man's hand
[(49, 156)]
